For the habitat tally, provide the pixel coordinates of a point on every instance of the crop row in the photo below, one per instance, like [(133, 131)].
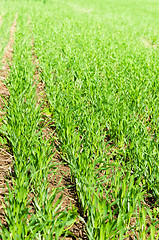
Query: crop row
[(31, 210)]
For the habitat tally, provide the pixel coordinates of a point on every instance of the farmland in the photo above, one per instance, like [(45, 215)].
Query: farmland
[(79, 119)]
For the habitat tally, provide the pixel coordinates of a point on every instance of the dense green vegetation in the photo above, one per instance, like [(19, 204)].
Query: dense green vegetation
[(99, 61)]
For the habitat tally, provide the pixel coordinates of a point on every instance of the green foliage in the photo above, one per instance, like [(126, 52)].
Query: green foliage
[(99, 62), (32, 210), (101, 81)]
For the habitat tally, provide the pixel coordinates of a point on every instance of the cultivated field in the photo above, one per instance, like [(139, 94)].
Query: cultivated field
[(79, 119)]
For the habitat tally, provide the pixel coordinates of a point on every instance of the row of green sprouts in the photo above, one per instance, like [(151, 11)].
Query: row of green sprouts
[(31, 210)]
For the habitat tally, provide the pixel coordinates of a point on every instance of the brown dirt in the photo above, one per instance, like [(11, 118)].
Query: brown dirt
[(5, 157), (5, 163), (70, 196)]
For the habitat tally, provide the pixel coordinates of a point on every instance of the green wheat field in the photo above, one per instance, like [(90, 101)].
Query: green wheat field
[(97, 114)]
